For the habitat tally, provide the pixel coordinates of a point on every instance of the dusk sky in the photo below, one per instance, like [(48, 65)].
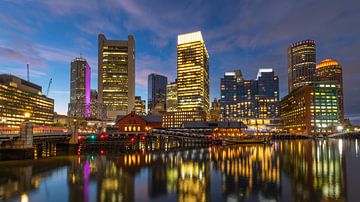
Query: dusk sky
[(248, 34)]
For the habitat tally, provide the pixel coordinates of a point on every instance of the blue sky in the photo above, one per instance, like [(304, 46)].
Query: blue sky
[(244, 34)]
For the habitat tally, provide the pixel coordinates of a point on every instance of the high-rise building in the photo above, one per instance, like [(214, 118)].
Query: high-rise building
[(193, 76), (268, 93), (312, 109), (116, 60), (171, 97), (156, 92), (19, 99), (243, 99), (330, 70), (79, 105), (301, 63), (140, 106)]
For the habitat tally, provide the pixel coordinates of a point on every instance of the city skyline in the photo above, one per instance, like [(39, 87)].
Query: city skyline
[(156, 47)]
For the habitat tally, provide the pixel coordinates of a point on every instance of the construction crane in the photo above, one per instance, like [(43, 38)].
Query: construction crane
[(48, 89)]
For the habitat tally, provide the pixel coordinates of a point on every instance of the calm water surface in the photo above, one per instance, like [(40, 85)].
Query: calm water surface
[(301, 170)]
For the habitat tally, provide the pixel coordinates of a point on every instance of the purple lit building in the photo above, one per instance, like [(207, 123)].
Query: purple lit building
[(79, 105)]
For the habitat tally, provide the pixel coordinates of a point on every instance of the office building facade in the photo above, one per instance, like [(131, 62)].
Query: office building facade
[(312, 109), (156, 92), (193, 76), (80, 76), (331, 70), (248, 99), (301, 64), (116, 70), (19, 97), (171, 97)]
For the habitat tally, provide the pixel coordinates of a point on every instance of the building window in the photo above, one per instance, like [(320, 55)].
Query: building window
[(125, 128)]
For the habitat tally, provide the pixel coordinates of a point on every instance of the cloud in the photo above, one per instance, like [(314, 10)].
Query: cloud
[(21, 72)]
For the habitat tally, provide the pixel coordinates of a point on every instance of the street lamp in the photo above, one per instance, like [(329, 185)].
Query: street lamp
[(27, 116), (340, 128)]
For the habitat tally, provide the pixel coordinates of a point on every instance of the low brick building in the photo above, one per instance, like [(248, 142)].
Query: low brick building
[(137, 124)]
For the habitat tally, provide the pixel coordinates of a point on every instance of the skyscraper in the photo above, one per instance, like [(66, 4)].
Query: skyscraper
[(79, 105), (268, 93), (330, 70), (116, 60), (193, 76), (171, 97), (301, 63), (156, 91)]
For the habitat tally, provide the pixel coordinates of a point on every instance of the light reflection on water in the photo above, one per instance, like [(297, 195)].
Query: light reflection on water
[(298, 170)]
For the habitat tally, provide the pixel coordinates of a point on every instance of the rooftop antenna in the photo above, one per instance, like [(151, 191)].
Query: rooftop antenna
[(28, 72)]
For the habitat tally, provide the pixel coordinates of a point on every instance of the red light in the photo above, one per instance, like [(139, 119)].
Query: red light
[(79, 137), (102, 152), (132, 139), (142, 137)]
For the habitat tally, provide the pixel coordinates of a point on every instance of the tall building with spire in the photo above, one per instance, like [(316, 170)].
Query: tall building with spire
[(301, 64), (116, 70), (193, 76), (79, 105), (330, 70)]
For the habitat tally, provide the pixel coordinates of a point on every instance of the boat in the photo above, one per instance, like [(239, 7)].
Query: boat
[(242, 140)]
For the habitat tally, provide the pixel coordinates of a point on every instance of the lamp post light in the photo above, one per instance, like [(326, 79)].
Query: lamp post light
[(27, 116), (340, 128)]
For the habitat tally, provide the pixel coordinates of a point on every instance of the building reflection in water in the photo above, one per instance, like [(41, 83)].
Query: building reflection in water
[(247, 171), (315, 170)]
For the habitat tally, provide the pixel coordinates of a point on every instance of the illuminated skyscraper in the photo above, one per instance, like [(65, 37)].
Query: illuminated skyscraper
[(330, 70), (156, 91), (171, 97), (268, 93), (193, 76), (116, 60), (301, 63), (79, 105)]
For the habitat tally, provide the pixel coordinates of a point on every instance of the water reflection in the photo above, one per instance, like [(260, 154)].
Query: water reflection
[(286, 171)]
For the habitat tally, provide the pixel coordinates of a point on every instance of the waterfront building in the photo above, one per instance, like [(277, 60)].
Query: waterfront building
[(330, 70), (116, 70), (140, 106), (171, 97), (268, 93), (156, 92), (22, 100), (193, 76), (133, 124), (301, 64), (175, 119), (215, 110), (79, 105), (244, 99), (312, 109)]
